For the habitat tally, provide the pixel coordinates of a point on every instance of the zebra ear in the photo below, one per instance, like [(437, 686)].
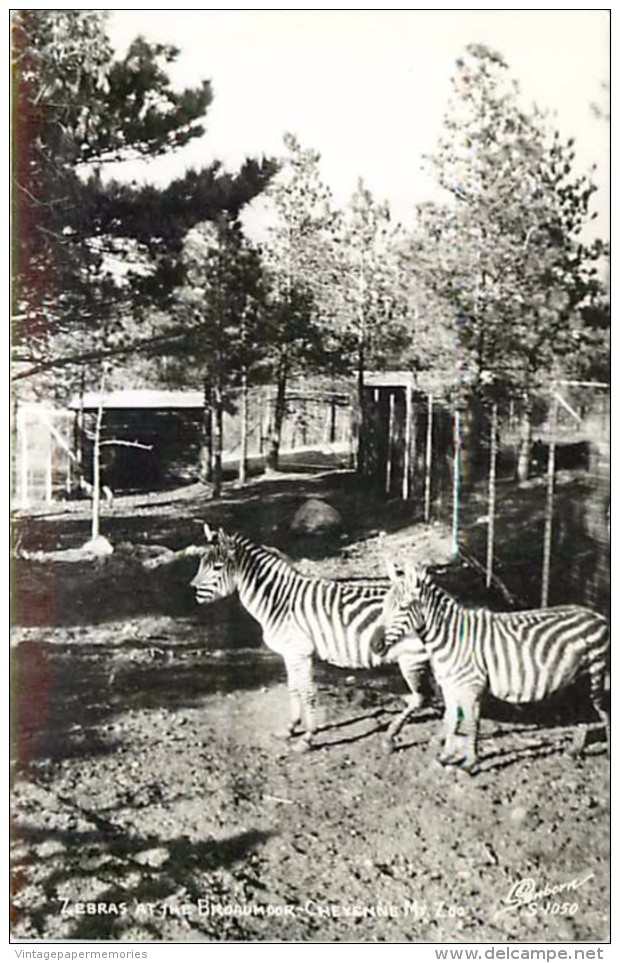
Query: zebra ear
[(391, 570), (412, 577), (210, 535)]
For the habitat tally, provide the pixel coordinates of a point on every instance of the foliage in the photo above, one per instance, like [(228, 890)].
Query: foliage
[(296, 258), (294, 254), (222, 301), (366, 275), (77, 108), (504, 256)]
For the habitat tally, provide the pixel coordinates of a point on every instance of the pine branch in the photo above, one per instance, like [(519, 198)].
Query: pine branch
[(98, 355)]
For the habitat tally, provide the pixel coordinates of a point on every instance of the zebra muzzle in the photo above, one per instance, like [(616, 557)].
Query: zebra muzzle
[(378, 644)]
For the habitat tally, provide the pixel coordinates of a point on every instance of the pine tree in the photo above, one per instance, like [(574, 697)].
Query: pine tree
[(296, 258), (76, 109), (223, 305), (366, 289), (505, 254)]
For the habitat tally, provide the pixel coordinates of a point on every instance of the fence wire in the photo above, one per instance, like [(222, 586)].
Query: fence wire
[(542, 538)]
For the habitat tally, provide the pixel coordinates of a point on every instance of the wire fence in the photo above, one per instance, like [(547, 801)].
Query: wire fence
[(538, 537), (541, 537)]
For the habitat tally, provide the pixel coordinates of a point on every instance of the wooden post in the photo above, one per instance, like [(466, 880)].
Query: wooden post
[(428, 462), (94, 529), (332, 420), (78, 436), (390, 444), (48, 470), (218, 434), (243, 447), (491, 496), (68, 471), (456, 481), (23, 446), (408, 442), (546, 570)]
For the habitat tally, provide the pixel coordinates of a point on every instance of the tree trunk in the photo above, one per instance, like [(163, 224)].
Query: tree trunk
[(205, 469), (332, 420), (94, 528), (217, 439), (525, 442), (273, 451), (473, 426), (243, 443), (78, 432)]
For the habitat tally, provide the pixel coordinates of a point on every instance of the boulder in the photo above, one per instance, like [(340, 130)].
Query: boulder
[(315, 517), (97, 546)]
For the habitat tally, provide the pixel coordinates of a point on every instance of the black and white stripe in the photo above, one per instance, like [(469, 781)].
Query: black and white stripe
[(301, 617), (518, 657)]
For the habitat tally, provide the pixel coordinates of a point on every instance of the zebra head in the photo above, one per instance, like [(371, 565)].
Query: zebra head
[(401, 615), (216, 575)]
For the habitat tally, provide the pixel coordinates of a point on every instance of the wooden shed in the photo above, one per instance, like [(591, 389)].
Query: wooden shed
[(164, 427), (409, 437)]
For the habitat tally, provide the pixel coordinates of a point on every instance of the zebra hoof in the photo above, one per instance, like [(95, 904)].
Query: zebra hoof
[(302, 745), (388, 746), (469, 768), (448, 759)]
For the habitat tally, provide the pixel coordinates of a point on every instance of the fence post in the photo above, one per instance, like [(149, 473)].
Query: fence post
[(23, 446), (456, 480), (546, 569), (408, 442), (428, 460), (49, 494), (491, 496), (390, 445)]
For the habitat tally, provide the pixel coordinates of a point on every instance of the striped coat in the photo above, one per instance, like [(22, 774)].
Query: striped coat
[(518, 657), (302, 617)]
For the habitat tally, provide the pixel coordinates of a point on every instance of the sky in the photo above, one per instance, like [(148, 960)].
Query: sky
[(368, 89)]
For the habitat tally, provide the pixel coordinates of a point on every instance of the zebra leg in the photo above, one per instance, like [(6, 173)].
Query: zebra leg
[(413, 704), (450, 722), (469, 723), (605, 718), (295, 717), (413, 673), (303, 698), (461, 724), (597, 677), (597, 689)]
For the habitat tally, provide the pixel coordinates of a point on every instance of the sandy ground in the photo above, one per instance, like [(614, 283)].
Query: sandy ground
[(154, 798)]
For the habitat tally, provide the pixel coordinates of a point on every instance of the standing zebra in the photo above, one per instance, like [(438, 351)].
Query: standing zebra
[(517, 656), (302, 616)]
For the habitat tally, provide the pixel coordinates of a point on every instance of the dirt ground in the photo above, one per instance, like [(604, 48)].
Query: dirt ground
[(154, 798)]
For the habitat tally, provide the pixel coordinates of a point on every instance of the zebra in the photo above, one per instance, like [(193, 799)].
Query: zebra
[(301, 617), (519, 657)]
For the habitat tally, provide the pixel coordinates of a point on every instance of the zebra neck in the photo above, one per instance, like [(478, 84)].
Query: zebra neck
[(437, 608), (263, 579)]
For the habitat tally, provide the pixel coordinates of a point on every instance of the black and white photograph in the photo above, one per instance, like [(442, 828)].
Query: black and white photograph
[(310, 504)]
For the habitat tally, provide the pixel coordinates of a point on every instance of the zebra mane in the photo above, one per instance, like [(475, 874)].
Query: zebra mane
[(249, 545), (357, 582)]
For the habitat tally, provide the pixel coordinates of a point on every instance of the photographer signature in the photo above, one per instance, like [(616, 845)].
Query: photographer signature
[(526, 892)]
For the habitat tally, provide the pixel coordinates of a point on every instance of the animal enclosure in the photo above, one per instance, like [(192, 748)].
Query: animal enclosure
[(460, 464)]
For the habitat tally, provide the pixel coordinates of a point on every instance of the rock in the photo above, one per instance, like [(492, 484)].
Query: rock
[(152, 857), (97, 546), (316, 517), (49, 847)]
